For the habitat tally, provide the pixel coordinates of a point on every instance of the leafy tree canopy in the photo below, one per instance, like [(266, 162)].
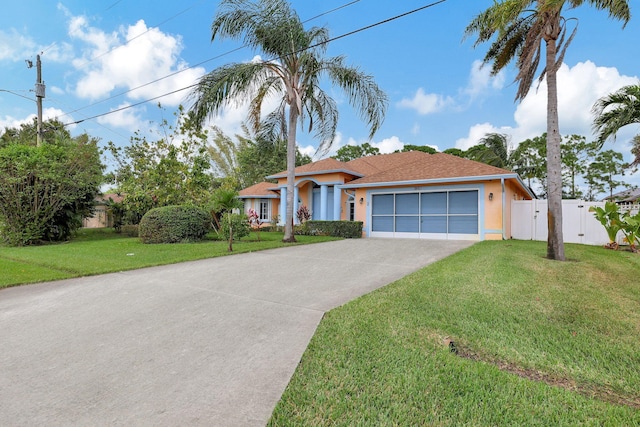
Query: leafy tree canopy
[(351, 152), (46, 190)]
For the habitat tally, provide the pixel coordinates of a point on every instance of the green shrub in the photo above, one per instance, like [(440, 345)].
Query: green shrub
[(174, 224), (344, 229), (239, 223), (130, 230)]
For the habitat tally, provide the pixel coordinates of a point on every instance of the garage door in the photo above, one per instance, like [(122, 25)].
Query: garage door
[(433, 215)]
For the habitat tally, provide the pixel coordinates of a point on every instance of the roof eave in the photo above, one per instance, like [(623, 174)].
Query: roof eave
[(321, 172), (439, 181)]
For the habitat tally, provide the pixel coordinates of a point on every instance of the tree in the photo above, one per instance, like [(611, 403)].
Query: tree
[(351, 152), (260, 158), (172, 170), (423, 148), (224, 152), (46, 190), (454, 152), (493, 149), (529, 160), (293, 69), (616, 110), (576, 153), (225, 200), (520, 28), (52, 130), (602, 171)]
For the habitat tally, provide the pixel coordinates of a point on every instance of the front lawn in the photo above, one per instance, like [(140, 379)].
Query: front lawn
[(538, 342), (98, 251)]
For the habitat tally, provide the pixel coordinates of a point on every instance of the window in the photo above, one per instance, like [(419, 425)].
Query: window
[(263, 210)]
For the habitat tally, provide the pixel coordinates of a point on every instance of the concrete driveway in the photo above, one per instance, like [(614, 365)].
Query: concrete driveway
[(210, 342)]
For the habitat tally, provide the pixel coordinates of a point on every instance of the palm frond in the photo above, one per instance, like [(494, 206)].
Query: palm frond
[(226, 85), (616, 110)]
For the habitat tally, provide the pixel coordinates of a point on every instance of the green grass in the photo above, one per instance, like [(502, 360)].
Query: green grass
[(103, 251), (539, 342)]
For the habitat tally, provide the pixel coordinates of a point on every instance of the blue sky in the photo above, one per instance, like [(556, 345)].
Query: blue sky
[(439, 95)]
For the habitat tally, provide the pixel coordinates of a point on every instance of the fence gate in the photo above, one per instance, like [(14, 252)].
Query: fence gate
[(529, 222)]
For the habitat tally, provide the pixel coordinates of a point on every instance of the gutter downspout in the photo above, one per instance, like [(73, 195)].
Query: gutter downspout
[(504, 211)]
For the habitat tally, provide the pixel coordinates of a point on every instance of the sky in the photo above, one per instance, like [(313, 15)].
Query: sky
[(105, 55)]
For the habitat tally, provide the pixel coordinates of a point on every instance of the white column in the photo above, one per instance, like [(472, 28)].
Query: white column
[(337, 199), (324, 203), (295, 204), (283, 205)]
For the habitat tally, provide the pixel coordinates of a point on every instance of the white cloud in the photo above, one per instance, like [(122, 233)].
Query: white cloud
[(128, 118), (47, 113), (425, 103), (15, 46), (389, 145), (477, 132), (110, 62), (578, 89), (480, 79)]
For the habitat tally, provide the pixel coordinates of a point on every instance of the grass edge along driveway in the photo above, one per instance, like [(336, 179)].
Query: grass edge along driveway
[(100, 251), (539, 342)]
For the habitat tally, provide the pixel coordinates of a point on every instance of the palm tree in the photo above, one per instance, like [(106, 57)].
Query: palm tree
[(292, 70), (520, 28), (616, 110), (225, 200), (492, 149)]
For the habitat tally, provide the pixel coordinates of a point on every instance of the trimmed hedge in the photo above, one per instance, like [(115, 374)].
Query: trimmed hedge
[(344, 229), (174, 224), (130, 230)]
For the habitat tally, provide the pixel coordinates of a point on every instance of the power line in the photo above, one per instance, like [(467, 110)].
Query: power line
[(191, 66), (385, 21)]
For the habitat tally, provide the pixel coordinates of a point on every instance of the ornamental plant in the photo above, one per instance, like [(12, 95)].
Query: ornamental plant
[(254, 221), (631, 229), (609, 217), (303, 214)]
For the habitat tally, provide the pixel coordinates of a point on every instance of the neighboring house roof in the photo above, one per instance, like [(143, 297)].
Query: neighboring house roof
[(104, 198), (325, 166), (628, 196), (261, 190)]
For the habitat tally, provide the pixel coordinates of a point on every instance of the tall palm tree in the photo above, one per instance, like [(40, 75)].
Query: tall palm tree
[(520, 28), (616, 110), (292, 70)]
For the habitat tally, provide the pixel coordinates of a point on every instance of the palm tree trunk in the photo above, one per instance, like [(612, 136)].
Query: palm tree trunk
[(555, 242), (230, 232), (291, 175)]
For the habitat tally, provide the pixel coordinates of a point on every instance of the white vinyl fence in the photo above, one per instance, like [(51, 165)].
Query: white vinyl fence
[(529, 221)]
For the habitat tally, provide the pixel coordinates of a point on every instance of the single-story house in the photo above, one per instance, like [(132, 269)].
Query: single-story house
[(626, 197), (102, 216), (409, 194)]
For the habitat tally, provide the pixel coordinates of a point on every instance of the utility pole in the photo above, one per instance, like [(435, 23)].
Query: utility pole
[(40, 88)]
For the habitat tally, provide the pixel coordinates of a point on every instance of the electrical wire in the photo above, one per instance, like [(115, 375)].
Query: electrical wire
[(192, 66), (385, 21)]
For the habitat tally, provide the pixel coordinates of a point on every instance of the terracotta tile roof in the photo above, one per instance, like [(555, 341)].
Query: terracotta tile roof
[(261, 189), (374, 164), (422, 166), (321, 166), (104, 198)]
